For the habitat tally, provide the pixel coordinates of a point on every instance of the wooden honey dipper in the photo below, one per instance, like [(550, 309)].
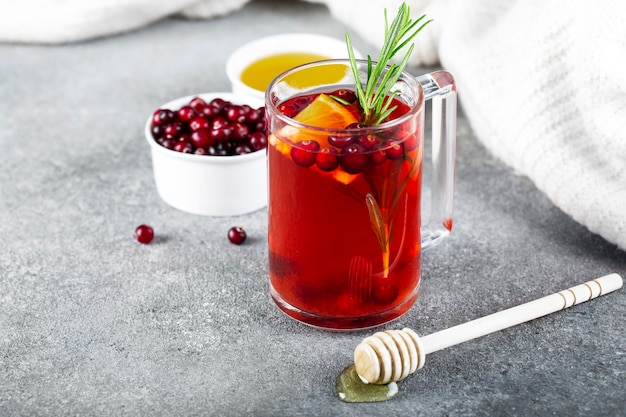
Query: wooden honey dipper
[(393, 355)]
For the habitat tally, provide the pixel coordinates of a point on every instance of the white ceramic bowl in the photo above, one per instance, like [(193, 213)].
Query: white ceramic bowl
[(250, 52), (205, 184)]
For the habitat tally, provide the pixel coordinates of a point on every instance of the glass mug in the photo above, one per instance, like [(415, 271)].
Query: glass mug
[(345, 231)]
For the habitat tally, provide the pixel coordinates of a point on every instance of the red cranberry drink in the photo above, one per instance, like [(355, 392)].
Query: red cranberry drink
[(345, 229)]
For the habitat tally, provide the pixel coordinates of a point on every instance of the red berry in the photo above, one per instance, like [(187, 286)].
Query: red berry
[(237, 235), (186, 113), (144, 234), (198, 123), (347, 95), (257, 141), (303, 153), (353, 159), (197, 104), (340, 141), (201, 138), (394, 149), (327, 159)]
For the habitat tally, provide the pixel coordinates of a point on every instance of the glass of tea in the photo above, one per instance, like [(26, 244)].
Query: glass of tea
[(345, 229)]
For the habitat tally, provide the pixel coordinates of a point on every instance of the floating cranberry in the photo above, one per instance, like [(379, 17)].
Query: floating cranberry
[(289, 110), (340, 141), (144, 234), (303, 153), (394, 149), (327, 159), (353, 159), (385, 293), (367, 141), (379, 155), (346, 95), (237, 235)]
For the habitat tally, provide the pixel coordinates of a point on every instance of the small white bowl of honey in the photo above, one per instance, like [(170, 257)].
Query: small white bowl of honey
[(252, 66)]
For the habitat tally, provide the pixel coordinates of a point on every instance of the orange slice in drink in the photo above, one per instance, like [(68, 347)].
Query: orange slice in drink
[(323, 112), (326, 112)]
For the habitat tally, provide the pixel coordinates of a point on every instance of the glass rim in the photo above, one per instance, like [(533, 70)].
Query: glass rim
[(273, 109)]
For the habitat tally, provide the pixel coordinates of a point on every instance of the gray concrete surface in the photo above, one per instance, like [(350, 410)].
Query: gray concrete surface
[(94, 324)]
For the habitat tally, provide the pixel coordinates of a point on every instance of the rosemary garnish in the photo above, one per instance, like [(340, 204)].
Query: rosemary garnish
[(375, 97)]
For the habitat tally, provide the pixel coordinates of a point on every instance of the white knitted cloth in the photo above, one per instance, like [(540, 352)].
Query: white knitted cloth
[(542, 82)]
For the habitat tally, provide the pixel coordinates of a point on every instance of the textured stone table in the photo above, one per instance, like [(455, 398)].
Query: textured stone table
[(93, 323)]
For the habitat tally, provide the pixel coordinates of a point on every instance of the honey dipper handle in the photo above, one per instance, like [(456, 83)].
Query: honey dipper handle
[(522, 313)]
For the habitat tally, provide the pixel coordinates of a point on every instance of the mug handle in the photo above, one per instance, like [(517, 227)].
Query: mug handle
[(439, 87)]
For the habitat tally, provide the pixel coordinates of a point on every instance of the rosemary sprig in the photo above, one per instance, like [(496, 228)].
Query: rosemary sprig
[(375, 97)]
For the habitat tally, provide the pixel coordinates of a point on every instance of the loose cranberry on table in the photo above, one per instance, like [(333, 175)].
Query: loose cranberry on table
[(144, 234), (217, 127), (236, 235)]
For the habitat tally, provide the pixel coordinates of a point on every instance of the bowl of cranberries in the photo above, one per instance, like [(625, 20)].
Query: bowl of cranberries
[(209, 153)]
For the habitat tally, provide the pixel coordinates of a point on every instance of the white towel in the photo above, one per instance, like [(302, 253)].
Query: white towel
[(542, 82)]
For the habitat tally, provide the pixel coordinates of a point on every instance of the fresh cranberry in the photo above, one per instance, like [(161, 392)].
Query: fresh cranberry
[(254, 116), (197, 104), (353, 159), (200, 151), (163, 116), (257, 140), (158, 131), (198, 123), (237, 235), (219, 122), (173, 130), (144, 234), (186, 113), (184, 147), (303, 153), (340, 141), (236, 114), (327, 159), (168, 143), (211, 111), (221, 134), (240, 131), (221, 149), (201, 138), (242, 148), (219, 103)]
